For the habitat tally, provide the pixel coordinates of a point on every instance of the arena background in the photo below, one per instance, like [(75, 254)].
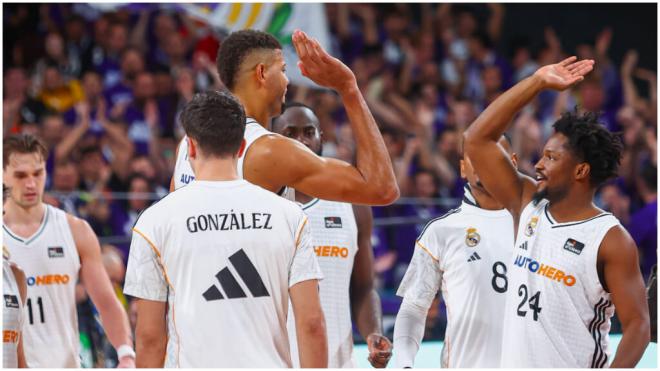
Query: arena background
[(103, 84)]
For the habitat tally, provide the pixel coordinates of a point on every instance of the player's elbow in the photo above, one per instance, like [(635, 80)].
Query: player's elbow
[(469, 141), (312, 325), (388, 194)]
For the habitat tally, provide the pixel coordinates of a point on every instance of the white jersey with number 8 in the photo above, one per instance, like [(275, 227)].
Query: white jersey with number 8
[(464, 253)]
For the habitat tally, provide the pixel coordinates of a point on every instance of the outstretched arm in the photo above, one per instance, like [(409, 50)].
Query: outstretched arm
[(372, 180), (618, 257), (365, 302), (493, 165)]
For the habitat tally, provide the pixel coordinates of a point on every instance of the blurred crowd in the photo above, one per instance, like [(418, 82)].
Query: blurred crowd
[(104, 91)]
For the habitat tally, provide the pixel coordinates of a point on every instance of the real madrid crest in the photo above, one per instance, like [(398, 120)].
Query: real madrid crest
[(472, 238), (529, 231)]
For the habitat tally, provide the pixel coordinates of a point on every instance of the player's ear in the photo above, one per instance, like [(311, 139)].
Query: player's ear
[(582, 171), (242, 149), (192, 148), (261, 73), (462, 166)]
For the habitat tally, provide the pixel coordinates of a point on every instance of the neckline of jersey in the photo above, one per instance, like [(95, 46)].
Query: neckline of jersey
[(555, 223), (310, 203), (36, 234), (219, 183)]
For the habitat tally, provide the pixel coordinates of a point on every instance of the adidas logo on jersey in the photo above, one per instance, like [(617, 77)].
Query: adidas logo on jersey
[(474, 257), (332, 222), (56, 252), (246, 271)]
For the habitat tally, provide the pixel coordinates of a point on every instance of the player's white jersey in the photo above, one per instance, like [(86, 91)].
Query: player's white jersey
[(334, 236), (223, 255), (183, 172), (12, 317), (557, 312), (466, 254), (50, 261)]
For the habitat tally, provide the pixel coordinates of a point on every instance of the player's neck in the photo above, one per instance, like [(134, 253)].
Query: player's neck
[(216, 169), (573, 207), (485, 201), (303, 198), (254, 107), (18, 215)]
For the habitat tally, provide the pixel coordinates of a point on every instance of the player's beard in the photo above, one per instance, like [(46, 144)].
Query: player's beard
[(539, 195)]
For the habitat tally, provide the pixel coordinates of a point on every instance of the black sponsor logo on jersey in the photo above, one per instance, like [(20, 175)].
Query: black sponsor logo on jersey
[(56, 252), (574, 246), (332, 222), (246, 271), (523, 246), (11, 301)]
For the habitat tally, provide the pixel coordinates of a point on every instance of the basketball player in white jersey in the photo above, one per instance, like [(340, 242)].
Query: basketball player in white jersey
[(341, 234), (215, 263), (14, 291), (54, 249), (465, 253), (573, 263), (251, 66)]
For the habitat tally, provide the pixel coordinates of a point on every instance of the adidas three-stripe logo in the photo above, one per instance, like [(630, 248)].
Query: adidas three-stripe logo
[(474, 257), (247, 272)]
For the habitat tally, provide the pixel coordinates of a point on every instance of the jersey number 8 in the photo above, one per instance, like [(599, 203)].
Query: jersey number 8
[(499, 281)]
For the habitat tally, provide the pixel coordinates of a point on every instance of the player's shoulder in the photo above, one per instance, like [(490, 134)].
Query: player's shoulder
[(161, 208), (450, 220), (263, 196)]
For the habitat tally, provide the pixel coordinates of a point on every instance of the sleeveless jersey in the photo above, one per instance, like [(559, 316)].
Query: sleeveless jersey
[(334, 236), (465, 253), (183, 172), (557, 312), (12, 317), (50, 260), (224, 263)]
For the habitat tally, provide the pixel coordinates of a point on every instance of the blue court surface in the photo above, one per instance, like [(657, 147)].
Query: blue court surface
[(429, 354)]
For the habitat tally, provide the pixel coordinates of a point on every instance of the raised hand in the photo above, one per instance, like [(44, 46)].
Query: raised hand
[(562, 75), (319, 66)]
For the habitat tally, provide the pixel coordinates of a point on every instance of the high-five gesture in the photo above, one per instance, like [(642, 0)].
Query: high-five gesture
[(562, 75), (319, 66)]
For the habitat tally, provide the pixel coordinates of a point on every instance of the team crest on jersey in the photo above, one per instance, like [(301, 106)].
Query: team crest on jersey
[(332, 222), (472, 238), (531, 226), (11, 301), (574, 246), (56, 252)]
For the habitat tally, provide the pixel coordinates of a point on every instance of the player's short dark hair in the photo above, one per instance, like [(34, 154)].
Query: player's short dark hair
[(236, 47), (216, 120), (22, 143), (592, 143)]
